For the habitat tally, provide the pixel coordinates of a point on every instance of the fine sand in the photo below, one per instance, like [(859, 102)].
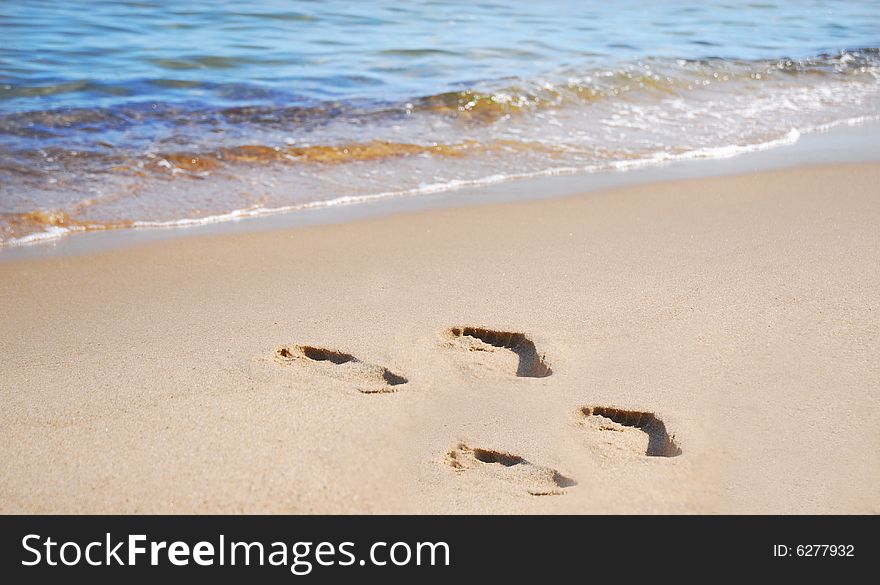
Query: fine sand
[(705, 346)]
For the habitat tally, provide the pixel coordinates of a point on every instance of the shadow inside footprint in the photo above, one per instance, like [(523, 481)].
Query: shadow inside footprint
[(538, 481), (320, 354), (660, 443), (531, 364), (393, 379), (371, 378), (489, 456)]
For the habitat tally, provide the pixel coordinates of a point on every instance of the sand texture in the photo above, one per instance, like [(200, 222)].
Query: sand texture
[(705, 346)]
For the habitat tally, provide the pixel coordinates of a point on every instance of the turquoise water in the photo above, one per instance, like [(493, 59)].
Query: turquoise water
[(121, 114)]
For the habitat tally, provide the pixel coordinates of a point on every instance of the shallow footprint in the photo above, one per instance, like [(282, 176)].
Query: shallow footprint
[(536, 480), (637, 429), (369, 378), (530, 364)]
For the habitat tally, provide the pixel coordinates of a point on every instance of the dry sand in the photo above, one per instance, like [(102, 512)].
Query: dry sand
[(738, 315)]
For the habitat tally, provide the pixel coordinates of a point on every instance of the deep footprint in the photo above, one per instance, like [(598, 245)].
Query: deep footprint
[(531, 363), (370, 378), (537, 480), (660, 443)]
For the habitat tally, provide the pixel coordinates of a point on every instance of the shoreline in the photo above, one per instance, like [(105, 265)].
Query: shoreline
[(846, 143), (741, 311)]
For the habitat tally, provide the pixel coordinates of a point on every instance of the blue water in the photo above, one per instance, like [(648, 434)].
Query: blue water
[(143, 113), (220, 52)]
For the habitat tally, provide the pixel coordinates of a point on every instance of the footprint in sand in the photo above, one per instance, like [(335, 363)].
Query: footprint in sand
[(369, 378), (642, 432), (536, 480), (500, 350)]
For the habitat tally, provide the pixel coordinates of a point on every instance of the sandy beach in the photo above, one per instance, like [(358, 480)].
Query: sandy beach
[(702, 346)]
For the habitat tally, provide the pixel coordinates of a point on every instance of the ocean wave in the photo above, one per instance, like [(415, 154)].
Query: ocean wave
[(175, 166), (55, 228)]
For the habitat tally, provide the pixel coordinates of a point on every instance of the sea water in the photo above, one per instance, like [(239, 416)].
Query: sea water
[(149, 113)]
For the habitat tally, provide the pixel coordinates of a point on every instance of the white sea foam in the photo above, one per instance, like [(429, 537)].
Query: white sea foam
[(50, 233), (654, 159)]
